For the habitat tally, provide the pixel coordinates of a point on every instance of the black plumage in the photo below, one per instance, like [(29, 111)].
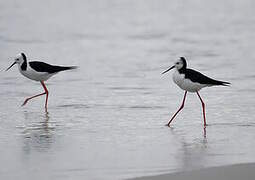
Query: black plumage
[(24, 64), (44, 67), (198, 77)]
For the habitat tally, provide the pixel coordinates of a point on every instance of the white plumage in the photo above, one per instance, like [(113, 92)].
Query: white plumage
[(35, 75), (186, 84)]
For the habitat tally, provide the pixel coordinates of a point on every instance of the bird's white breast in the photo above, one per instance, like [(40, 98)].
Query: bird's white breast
[(34, 75), (186, 84)]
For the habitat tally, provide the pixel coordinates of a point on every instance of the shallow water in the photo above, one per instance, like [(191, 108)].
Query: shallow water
[(106, 119)]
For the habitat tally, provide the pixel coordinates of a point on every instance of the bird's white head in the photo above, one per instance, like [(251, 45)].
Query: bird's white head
[(179, 65), (19, 59)]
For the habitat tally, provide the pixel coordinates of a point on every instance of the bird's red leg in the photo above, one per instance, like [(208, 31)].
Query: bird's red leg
[(168, 124), (203, 106), (46, 92), (26, 100)]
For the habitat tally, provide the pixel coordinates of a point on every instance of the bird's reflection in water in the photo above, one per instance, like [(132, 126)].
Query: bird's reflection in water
[(193, 152), (204, 133), (38, 131)]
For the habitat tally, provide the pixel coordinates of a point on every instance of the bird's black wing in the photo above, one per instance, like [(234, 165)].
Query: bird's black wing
[(44, 67), (198, 77)]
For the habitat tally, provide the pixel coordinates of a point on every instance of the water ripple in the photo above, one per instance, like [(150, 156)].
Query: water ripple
[(75, 106), (21, 41), (148, 36)]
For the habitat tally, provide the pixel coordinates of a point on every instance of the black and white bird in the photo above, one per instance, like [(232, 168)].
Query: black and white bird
[(191, 81), (37, 71)]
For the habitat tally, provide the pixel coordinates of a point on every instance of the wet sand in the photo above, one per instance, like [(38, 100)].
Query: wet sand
[(233, 172)]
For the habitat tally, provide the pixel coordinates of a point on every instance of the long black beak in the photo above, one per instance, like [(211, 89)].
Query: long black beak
[(168, 70), (10, 66)]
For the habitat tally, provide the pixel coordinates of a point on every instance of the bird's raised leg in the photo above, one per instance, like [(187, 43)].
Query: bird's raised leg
[(46, 92), (168, 124), (203, 106)]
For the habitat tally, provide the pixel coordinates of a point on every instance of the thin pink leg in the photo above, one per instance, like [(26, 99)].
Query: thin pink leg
[(203, 106), (46, 92), (168, 124), (26, 100)]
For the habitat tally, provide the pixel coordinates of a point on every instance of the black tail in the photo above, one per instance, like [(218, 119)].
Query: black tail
[(64, 68), (221, 83)]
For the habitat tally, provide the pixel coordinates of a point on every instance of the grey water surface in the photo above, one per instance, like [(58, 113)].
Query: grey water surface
[(106, 120)]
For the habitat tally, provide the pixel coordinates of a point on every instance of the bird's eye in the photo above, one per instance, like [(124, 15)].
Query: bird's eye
[(177, 63)]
